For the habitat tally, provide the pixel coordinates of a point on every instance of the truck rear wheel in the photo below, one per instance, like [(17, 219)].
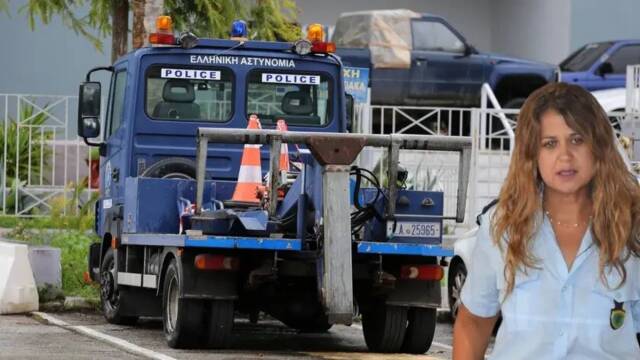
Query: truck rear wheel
[(111, 298), (420, 330), (384, 327), (220, 323), (182, 319)]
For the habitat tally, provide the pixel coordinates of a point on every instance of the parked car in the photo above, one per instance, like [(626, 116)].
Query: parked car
[(601, 65), (612, 100), (457, 275), (421, 59)]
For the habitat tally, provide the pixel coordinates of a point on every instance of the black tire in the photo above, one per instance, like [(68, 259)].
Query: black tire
[(110, 298), (420, 330), (384, 327), (457, 276), (182, 319), (172, 168), (220, 323)]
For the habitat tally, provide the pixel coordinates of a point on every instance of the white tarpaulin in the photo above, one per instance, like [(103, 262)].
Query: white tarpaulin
[(387, 34)]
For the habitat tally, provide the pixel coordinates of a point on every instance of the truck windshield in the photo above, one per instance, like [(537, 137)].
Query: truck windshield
[(177, 92), (298, 98), (583, 58)]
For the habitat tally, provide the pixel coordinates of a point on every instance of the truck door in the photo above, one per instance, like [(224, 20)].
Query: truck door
[(619, 59), (439, 69), (113, 166)]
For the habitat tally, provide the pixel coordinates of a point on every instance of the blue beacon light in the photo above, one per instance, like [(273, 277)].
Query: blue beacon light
[(239, 29)]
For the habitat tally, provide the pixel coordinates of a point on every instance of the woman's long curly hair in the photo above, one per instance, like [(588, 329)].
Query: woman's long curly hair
[(615, 193)]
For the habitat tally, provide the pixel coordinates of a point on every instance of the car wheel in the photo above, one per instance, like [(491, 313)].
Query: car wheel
[(384, 327), (182, 319), (457, 277), (220, 323), (421, 328), (111, 298)]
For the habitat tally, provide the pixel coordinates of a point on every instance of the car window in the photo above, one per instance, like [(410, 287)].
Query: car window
[(188, 93), (119, 85), (435, 36), (298, 98), (626, 55), (583, 58)]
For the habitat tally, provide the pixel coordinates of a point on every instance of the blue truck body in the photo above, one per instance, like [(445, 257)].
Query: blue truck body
[(175, 243), (601, 65)]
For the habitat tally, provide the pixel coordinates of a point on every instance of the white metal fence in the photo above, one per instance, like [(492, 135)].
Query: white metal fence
[(492, 134), (438, 171), (41, 158)]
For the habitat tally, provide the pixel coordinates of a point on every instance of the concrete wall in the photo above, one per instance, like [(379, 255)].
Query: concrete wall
[(598, 20), (537, 30), (53, 60)]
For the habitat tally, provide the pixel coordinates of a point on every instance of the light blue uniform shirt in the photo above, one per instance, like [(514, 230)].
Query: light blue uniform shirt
[(553, 312)]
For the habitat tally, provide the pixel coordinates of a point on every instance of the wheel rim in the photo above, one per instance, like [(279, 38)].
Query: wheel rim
[(108, 292), (456, 289), (172, 305)]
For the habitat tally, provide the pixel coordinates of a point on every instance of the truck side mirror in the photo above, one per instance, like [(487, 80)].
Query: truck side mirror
[(89, 110), (604, 69), (350, 110)]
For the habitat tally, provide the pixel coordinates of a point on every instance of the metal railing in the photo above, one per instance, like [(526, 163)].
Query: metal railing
[(41, 157)]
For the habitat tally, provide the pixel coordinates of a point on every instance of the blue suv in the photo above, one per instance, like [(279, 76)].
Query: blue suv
[(601, 65)]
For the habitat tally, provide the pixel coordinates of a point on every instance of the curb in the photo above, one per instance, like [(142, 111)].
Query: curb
[(71, 303), (85, 331)]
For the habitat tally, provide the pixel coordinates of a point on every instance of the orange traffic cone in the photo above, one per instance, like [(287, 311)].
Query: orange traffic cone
[(250, 175), (281, 125)]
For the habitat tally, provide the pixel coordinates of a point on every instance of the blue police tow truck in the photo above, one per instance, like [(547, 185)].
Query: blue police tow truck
[(322, 240)]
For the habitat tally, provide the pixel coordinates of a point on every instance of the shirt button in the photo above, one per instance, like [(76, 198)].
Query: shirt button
[(564, 288)]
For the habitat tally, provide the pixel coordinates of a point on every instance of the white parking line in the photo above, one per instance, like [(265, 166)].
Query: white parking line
[(83, 330)]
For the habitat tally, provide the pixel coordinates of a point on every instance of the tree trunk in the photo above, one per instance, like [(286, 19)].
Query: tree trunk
[(138, 33), (120, 24)]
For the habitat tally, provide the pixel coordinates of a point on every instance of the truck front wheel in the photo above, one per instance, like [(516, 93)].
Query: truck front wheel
[(384, 327), (421, 328), (182, 319), (111, 298)]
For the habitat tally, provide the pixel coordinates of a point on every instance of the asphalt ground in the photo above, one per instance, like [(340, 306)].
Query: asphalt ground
[(80, 335)]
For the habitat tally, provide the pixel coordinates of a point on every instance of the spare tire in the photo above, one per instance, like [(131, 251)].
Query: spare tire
[(172, 168)]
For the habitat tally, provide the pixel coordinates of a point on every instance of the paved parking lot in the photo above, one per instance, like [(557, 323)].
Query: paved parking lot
[(24, 337)]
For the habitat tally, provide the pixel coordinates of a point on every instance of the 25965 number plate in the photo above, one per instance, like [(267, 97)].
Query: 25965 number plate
[(414, 229)]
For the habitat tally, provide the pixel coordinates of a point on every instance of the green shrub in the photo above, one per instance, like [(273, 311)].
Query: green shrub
[(68, 228), (74, 247)]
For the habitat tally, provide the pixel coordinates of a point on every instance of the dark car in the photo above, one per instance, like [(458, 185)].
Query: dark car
[(421, 59)]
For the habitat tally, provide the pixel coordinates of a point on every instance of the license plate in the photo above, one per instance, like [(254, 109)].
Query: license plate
[(414, 229)]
